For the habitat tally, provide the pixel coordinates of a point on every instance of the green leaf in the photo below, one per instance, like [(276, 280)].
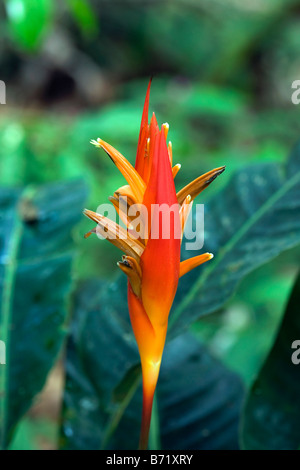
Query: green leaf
[(35, 279), (271, 419), (249, 222), (84, 15), (29, 20), (198, 399), (208, 100), (100, 354)]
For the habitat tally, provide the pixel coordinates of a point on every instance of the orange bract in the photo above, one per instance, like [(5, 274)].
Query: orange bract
[(152, 263)]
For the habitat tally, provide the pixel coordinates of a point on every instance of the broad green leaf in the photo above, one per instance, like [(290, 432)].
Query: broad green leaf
[(271, 419), (249, 222), (35, 280), (212, 101), (198, 399), (101, 352), (29, 20)]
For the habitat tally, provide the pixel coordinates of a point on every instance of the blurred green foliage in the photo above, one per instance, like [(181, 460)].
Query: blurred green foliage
[(28, 21), (209, 126), (223, 72)]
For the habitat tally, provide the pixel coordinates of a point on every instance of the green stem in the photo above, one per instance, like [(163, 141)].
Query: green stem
[(117, 416), (154, 434)]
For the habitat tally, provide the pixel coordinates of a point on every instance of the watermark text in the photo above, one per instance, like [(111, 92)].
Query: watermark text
[(296, 354), (2, 353), (160, 221), (2, 92)]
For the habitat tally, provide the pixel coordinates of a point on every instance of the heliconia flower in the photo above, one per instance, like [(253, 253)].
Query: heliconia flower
[(151, 263)]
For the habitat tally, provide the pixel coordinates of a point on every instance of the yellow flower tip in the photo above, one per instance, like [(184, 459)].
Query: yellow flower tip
[(132, 177), (166, 128), (191, 263), (86, 235), (218, 171), (170, 152), (186, 202), (199, 184), (94, 142), (93, 215), (104, 145), (101, 144), (133, 264), (175, 169), (132, 269), (116, 235), (112, 199)]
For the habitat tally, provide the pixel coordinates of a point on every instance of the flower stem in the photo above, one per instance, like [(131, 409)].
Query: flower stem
[(150, 375), (154, 433)]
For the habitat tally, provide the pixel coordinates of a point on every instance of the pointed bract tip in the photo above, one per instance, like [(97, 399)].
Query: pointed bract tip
[(98, 142), (218, 172), (165, 128)]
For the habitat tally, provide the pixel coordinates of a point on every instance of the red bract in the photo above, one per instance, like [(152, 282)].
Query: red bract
[(152, 257)]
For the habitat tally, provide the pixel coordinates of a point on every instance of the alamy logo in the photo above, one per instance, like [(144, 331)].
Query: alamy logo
[(296, 94), (2, 353), (2, 92), (164, 223), (296, 354)]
